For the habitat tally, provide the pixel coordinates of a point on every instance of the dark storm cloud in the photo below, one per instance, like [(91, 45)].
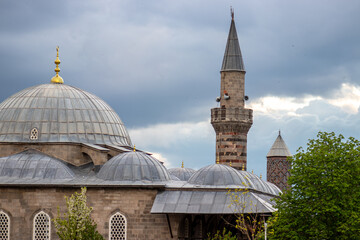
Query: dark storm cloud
[(157, 61)]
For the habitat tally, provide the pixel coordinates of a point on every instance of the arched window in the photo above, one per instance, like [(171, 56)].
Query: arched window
[(41, 226), (4, 226), (117, 227)]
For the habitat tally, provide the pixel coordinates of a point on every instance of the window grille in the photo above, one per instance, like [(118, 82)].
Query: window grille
[(34, 134), (117, 227), (4, 226), (41, 226), (186, 228)]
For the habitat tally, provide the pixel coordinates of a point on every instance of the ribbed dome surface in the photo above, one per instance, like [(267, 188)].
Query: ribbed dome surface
[(133, 166), (261, 185), (60, 113), (218, 175), (223, 175), (182, 173), (34, 164)]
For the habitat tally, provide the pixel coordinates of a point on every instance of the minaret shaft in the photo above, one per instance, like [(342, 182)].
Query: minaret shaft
[(232, 121)]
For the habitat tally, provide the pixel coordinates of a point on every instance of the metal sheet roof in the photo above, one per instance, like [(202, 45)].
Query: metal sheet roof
[(182, 173), (210, 202), (60, 113), (279, 148), (232, 58), (133, 166), (32, 164)]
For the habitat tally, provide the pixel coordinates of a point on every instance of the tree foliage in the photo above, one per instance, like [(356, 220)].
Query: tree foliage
[(324, 199), (76, 223), (250, 225), (225, 235)]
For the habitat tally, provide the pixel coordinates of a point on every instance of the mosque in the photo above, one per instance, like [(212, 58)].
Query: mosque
[(55, 138)]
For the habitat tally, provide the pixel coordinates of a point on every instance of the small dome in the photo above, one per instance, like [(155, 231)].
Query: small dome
[(34, 164), (175, 178), (218, 175), (133, 166), (223, 175), (60, 113), (260, 185), (182, 173)]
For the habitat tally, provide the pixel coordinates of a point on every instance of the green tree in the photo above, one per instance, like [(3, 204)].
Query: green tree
[(225, 235), (76, 223), (324, 199), (248, 224)]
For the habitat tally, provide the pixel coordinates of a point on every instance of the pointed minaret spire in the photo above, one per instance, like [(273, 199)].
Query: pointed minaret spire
[(279, 148), (232, 58)]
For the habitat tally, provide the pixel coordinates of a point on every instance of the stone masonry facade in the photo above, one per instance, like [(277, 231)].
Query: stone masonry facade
[(278, 171), (23, 203), (232, 121)]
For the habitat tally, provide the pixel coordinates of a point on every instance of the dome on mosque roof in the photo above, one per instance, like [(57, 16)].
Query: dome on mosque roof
[(223, 175), (34, 164), (134, 166), (175, 178), (182, 173), (259, 184), (218, 175), (60, 113)]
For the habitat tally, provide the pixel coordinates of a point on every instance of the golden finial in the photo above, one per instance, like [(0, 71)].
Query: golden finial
[(57, 78), (182, 164), (243, 167), (230, 164), (217, 160), (260, 176), (134, 148), (252, 171)]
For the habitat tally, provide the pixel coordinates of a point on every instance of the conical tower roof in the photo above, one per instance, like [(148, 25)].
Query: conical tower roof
[(232, 58), (279, 148)]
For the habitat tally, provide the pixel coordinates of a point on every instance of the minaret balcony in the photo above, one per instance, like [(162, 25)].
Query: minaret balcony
[(231, 115)]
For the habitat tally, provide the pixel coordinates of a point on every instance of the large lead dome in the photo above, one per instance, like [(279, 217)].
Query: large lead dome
[(60, 113)]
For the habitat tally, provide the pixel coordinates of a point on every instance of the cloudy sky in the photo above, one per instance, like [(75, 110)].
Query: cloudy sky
[(157, 64)]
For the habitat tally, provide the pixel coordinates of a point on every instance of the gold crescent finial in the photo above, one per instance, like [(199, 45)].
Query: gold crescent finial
[(260, 176), (252, 171), (243, 167), (230, 164), (182, 164), (134, 148), (57, 79), (217, 160)]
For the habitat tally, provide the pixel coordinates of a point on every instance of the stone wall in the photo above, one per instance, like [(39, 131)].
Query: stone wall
[(278, 171), (72, 153), (233, 83), (231, 126), (21, 204)]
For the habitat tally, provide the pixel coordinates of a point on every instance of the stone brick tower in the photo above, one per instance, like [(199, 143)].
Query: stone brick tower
[(232, 120), (278, 166)]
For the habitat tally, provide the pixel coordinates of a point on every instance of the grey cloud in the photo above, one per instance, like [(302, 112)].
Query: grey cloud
[(154, 61)]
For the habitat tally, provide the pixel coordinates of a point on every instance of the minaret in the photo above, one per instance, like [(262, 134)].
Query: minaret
[(232, 120), (278, 166)]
